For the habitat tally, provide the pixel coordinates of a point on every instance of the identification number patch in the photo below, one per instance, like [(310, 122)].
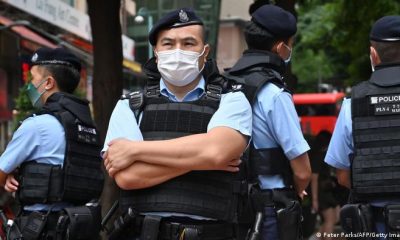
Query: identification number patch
[(386, 104)]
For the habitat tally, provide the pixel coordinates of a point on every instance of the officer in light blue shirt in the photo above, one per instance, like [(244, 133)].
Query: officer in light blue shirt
[(175, 149), (278, 160), (56, 153), (364, 144), (40, 138)]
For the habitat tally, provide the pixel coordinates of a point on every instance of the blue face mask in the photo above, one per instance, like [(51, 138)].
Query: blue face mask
[(34, 95), (287, 61)]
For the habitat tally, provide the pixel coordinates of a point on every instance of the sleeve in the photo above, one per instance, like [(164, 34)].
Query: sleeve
[(234, 112), (341, 144), (122, 124), (285, 125), (23, 144)]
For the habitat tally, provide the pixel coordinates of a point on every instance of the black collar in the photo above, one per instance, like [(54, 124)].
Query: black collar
[(252, 58), (60, 101), (386, 75)]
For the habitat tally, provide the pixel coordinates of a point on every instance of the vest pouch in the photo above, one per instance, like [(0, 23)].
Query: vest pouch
[(35, 223), (289, 221), (356, 218), (392, 217), (35, 182), (83, 177), (123, 224), (84, 222)]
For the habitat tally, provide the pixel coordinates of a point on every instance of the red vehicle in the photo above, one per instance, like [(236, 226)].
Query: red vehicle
[(318, 111)]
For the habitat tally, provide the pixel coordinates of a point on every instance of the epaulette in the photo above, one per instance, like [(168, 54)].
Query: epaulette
[(214, 92), (136, 102), (250, 81)]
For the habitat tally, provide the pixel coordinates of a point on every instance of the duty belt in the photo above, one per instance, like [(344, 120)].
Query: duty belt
[(171, 230), (262, 198)]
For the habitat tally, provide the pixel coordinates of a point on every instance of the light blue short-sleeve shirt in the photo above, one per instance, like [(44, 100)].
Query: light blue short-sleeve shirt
[(276, 124), (39, 138), (341, 144)]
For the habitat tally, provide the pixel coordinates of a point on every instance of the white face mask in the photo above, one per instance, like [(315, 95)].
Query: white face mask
[(287, 61), (372, 65), (179, 67)]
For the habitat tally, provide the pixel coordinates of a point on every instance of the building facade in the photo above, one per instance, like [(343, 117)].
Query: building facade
[(28, 25)]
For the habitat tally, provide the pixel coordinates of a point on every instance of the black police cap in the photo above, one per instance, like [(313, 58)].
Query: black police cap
[(177, 18), (386, 29), (278, 22), (56, 56)]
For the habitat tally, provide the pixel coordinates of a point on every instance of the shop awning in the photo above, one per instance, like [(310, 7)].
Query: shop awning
[(25, 33), (134, 66), (88, 48)]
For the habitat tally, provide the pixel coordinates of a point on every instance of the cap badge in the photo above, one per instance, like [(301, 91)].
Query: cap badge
[(183, 17), (34, 57)]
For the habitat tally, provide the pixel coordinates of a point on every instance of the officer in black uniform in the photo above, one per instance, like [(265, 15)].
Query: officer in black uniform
[(54, 156), (184, 135), (279, 166), (365, 144)]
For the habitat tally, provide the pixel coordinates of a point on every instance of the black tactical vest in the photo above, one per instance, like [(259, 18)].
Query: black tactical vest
[(81, 178), (375, 107), (211, 194), (253, 70)]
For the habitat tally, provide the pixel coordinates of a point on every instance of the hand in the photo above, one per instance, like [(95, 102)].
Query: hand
[(232, 166), (119, 155), (302, 194), (11, 184)]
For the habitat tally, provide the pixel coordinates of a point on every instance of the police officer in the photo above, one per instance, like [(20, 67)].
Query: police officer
[(164, 145), (54, 154), (278, 160), (364, 146)]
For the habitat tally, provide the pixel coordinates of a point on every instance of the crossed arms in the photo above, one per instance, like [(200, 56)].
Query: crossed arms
[(142, 164)]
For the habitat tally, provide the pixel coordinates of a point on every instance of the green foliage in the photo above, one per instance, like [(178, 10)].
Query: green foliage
[(333, 40), (23, 106), (80, 93), (315, 57)]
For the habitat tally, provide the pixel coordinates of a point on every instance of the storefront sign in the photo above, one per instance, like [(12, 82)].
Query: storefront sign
[(128, 47), (57, 13), (66, 17)]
